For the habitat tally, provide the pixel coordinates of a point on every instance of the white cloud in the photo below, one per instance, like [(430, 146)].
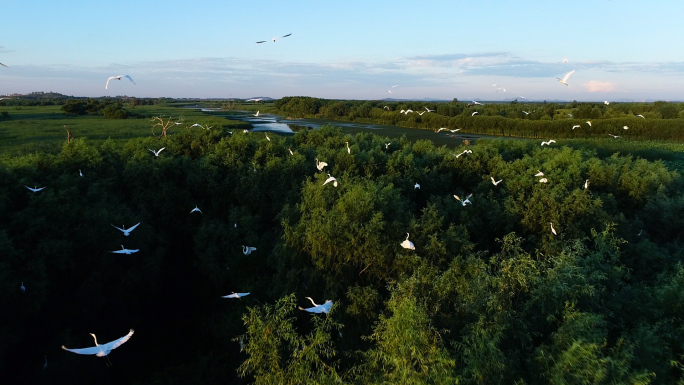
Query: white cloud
[(599, 86)]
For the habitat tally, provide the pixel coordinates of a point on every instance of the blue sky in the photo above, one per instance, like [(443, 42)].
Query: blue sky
[(620, 49)]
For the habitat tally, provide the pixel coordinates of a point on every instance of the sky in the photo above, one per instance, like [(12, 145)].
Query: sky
[(621, 50)]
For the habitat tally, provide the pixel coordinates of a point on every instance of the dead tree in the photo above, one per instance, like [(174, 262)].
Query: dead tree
[(69, 135), (164, 124)]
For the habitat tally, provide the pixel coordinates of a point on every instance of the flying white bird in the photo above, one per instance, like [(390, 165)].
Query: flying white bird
[(35, 189), (428, 110), (331, 179), (464, 152), (566, 77), (441, 128), (417, 186), (387, 145), (474, 102), (552, 229), (640, 231), (539, 173), (125, 231), (625, 127), (200, 126), (641, 116), (22, 288), (235, 295), (466, 201), (269, 139), (606, 102), (565, 60), (455, 130), (118, 78), (614, 136), (496, 182), (257, 114), (125, 251), (348, 149), (196, 209), (408, 244), (322, 308), (320, 165), (290, 148), (407, 111), (102, 350), (548, 143), (474, 113), (543, 180), (156, 153), (390, 90), (576, 126), (588, 122), (80, 173), (274, 39), (586, 184), (247, 250), (525, 112), (386, 108)]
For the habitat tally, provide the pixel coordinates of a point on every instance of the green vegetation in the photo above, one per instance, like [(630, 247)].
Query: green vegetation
[(489, 296), (662, 121)]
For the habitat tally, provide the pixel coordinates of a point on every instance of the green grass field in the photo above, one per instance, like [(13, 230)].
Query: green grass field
[(42, 128)]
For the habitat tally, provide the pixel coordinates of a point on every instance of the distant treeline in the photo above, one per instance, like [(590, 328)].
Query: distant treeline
[(660, 121), (490, 295)]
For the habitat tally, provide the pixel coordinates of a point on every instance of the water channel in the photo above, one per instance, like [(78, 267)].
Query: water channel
[(280, 125)]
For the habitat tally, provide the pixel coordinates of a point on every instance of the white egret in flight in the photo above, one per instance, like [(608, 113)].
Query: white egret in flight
[(386, 108), (614, 136), (474, 113), (606, 102), (539, 173), (269, 139), (588, 122), (320, 165), (525, 112), (156, 153), (548, 143), (3, 65), (586, 184), (125, 231), (257, 114), (125, 251), (22, 287), (455, 130), (466, 201), (566, 77), (417, 186), (80, 173), (387, 145), (290, 148), (235, 295), (641, 116), (35, 189), (552, 229), (247, 250), (348, 149), (543, 180), (576, 126), (464, 152), (474, 102), (198, 125), (625, 127), (322, 308), (441, 128), (408, 244), (496, 182), (118, 78), (196, 209), (330, 179), (101, 350)]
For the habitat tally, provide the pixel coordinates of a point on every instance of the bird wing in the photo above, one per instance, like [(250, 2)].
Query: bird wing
[(329, 180), (567, 76), (3, 65), (326, 306), (288, 35), (130, 228), (116, 343), (234, 295), (121, 228), (130, 78), (91, 350), (259, 42), (160, 150), (118, 251)]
